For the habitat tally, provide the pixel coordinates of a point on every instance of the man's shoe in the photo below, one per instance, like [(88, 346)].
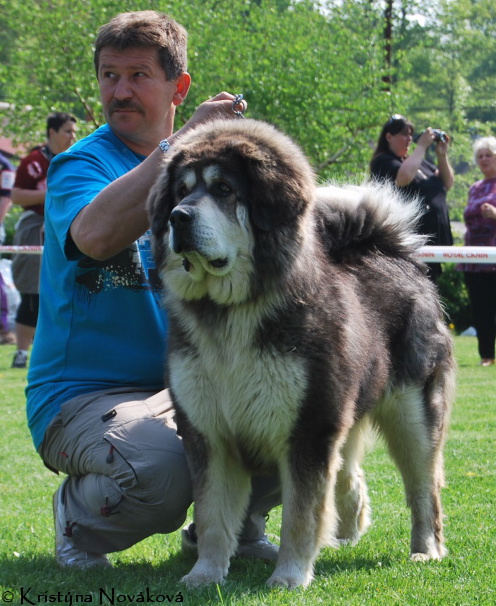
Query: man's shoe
[(20, 360), (261, 549), (66, 554)]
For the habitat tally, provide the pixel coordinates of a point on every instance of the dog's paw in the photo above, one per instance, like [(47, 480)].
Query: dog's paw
[(290, 577), (195, 581), (426, 547), (426, 557), (429, 550), (202, 575)]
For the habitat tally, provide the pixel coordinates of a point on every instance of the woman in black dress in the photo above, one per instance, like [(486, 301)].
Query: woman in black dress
[(415, 175)]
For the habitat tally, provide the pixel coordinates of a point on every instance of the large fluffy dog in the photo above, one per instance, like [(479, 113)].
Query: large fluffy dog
[(298, 317)]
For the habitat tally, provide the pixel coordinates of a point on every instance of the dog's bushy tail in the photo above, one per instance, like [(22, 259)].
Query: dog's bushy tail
[(369, 218)]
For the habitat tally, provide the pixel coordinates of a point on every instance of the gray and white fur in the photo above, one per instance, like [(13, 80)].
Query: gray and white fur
[(299, 318)]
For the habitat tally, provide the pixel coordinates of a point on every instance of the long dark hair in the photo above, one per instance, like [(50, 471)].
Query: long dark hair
[(396, 124)]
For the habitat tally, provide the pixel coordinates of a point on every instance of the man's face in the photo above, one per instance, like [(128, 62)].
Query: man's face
[(138, 101), (62, 139)]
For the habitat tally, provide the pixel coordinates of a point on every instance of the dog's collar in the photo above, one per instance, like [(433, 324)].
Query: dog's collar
[(164, 145)]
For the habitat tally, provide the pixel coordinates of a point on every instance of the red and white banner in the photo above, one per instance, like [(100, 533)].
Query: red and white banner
[(428, 254), (22, 250), (457, 254)]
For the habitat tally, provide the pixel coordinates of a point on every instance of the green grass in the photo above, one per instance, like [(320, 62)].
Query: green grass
[(376, 571)]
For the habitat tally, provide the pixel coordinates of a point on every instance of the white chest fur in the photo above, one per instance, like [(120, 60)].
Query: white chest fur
[(236, 391)]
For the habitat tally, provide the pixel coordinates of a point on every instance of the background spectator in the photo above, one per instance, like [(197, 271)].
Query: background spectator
[(416, 175), (480, 221), (7, 175), (29, 192)]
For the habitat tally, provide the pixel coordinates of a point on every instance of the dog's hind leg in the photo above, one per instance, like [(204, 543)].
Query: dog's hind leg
[(309, 519), (220, 505), (352, 499), (413, 422)]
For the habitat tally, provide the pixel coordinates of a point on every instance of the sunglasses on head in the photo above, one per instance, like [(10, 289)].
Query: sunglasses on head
[(396, 118), (397, 124)]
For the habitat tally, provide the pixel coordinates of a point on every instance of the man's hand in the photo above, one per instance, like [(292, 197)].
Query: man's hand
[(218, 107)]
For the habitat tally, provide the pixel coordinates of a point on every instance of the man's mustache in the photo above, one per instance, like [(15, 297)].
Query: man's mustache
[(116, 105)]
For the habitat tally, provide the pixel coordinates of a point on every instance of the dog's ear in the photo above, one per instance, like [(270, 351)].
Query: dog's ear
[(282, 184), (161, 199)]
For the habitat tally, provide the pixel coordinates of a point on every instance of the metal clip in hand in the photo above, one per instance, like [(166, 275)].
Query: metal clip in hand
[(236, 101)]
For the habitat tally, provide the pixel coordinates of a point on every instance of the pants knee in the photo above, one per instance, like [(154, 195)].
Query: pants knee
[(162, 497), (169, 496)]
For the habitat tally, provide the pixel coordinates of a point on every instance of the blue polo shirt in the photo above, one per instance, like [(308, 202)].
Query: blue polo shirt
[(101, 324)]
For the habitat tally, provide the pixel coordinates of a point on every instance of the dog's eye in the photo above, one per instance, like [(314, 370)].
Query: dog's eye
[(223, 188), (182, 191)]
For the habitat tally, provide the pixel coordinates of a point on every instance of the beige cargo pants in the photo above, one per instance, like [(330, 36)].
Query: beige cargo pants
[(128, 476)]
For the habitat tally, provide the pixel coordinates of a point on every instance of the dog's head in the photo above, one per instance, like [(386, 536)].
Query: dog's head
[(229, 192)]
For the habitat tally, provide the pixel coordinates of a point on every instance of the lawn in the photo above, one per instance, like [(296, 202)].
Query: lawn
[(376, 571)]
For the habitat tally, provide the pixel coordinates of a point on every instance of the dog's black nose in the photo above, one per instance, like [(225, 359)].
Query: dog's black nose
[(181, 216), (181, 221)]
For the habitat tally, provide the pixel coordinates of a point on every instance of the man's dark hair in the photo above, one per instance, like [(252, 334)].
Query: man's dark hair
[(146, 29), (57, 119)]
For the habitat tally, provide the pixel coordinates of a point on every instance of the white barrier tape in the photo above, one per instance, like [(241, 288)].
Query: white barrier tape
[(457, 254), (22, 250), (428, 254)]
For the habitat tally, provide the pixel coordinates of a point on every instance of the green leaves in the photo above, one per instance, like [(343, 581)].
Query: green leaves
[(315, 69)]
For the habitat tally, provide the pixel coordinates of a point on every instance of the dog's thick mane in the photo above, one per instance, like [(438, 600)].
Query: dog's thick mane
[(267, 154), (354, 220), (292, 215)]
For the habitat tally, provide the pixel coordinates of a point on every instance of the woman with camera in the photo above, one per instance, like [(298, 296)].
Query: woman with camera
[(415, 175)]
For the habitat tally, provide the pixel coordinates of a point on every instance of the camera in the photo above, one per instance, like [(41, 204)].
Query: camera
[(439, 135)]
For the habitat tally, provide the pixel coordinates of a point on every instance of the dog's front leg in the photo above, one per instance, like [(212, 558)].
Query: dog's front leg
[(309, 518), (220, 505)]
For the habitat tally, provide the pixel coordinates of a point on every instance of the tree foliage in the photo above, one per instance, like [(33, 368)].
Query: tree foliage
[(317, 70)]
